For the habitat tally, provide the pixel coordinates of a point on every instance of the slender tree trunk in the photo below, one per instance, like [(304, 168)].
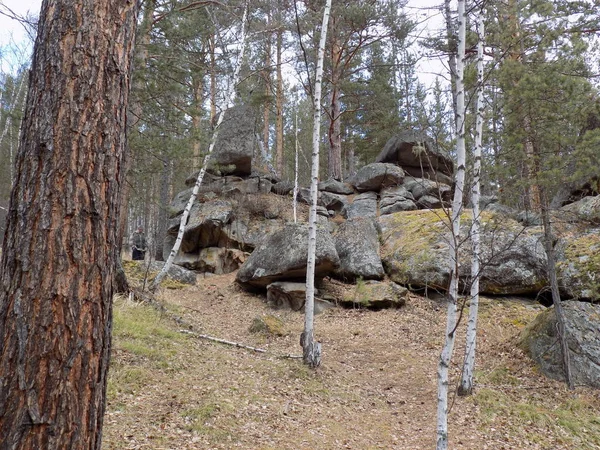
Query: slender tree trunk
[(452, 49), (280, 94), (213, 79), (466, 384), (334, 160), (295, 194), (312, 349), (61, 244), (184, 217), (457, 205), (268, 92), (549, 242), (196, 121)]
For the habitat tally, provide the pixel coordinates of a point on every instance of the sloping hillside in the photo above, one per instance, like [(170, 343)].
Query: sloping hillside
[(375, 389)]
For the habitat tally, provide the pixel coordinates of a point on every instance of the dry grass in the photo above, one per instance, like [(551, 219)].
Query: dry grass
[(376, 388)]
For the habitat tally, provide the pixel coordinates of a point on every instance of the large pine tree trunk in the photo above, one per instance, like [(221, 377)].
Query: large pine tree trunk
[(61, 242)]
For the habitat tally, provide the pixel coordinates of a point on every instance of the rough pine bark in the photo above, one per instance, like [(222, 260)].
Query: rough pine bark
[(61, 243)]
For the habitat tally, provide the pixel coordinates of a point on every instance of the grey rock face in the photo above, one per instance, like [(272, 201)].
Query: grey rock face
[(416, 254), (364, 205), (377, 176), (587, 209), (335, 202), (335, 187), (376, 295), (357, 245), (217, 260), (176, 273), (539, 340), (205, 225), (282, 188), (235, 143), (282, 256), (396, 199), (418, 155)]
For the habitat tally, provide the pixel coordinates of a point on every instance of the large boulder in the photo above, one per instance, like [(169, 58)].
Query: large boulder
[(421, 187), (235, 144), (363, 205), (283, 254), (334, 202), (376, 176), (418, 155), (292, 295), (587, 209), (336, 187), (415, 253), (578, 264), (394, 199), (175, 273), (539, 340), (375, 295), (357, 244)]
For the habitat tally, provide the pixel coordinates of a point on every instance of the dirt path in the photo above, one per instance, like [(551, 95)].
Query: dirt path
[(376, 388)]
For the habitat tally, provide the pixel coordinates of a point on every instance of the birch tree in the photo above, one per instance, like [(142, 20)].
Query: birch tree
[(312, 349), (184, 217), (466, 384), (457, 205)]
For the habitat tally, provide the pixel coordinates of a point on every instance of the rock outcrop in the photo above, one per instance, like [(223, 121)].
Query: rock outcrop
[(416, 253), (539, 340), (283, 254), (357, 245), (418, 155)]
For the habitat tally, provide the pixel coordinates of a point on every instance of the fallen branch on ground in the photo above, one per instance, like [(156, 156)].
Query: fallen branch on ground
[(236, 344)]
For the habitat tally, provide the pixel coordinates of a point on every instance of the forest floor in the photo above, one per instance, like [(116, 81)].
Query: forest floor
[(376, 387)]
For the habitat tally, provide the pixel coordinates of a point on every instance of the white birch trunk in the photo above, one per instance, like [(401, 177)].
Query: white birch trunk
[(466, 384), (8, 124), (312, 349), (457, 205), (184, 217)]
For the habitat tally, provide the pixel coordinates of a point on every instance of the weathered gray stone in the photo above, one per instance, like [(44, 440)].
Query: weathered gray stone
[(287, 295), (291, 295), (235, 143), (578, 265), (335, 202), (417, 154), (394, 199), (420, 187), (430, 202), (357, 244), (376, 295), (377, 176), (282, 188), (205, 225), (587, 209), (415, 253), (175, 273), (217, 260), (335, 187), (539, 340), (363, 205), (282, 256)]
